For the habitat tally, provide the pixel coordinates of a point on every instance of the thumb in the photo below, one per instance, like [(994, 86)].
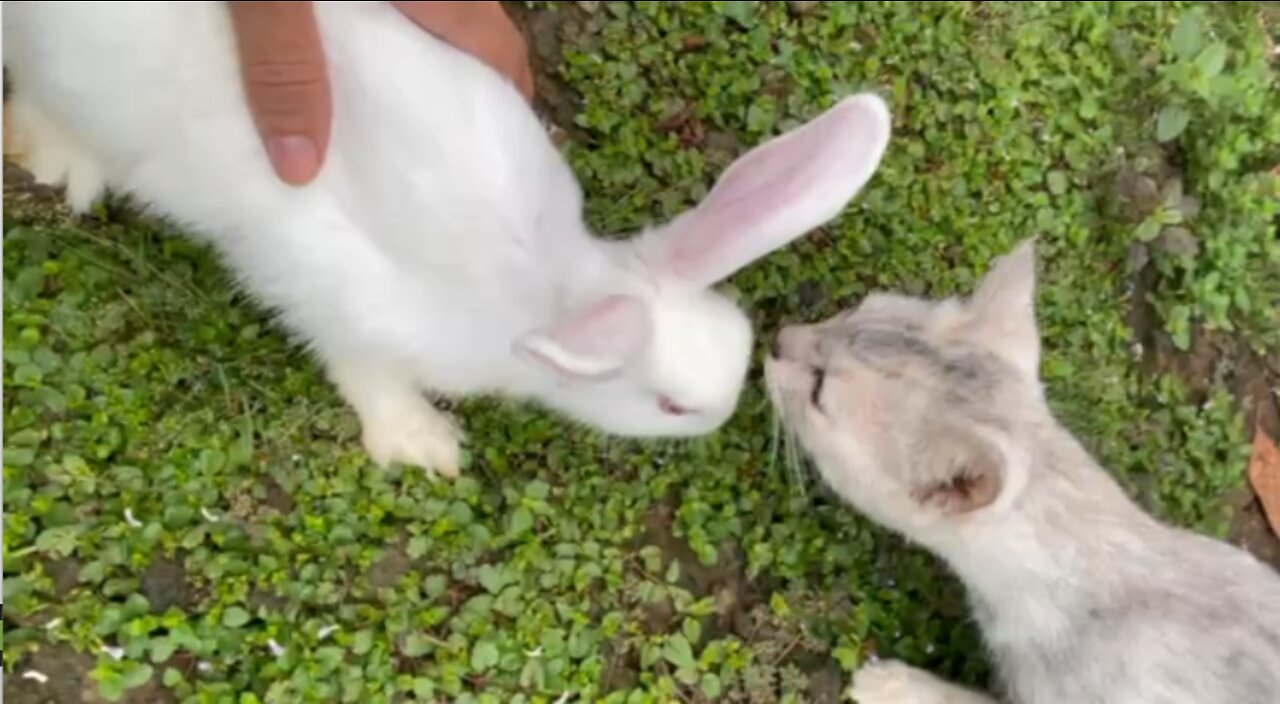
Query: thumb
[(286, 84)]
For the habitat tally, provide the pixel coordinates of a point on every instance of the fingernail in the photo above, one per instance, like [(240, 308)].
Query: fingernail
[(294, 157)]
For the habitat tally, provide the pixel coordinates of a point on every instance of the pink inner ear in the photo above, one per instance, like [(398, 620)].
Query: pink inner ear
[(748, 192), (778, 192), (594, 344)]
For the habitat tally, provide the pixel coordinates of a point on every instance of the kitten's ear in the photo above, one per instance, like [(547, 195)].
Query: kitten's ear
[(971, 470), (1003, 309)]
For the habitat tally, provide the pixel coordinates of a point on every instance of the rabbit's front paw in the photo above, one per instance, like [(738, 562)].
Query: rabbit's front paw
[(895, 682), (413, 432)]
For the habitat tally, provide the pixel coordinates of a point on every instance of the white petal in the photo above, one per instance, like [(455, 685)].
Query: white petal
[(34, 675)]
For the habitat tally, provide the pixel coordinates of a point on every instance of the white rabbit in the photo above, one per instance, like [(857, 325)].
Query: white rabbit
[(442, 248)]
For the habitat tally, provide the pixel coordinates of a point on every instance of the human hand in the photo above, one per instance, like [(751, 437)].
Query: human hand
[(285, 77)]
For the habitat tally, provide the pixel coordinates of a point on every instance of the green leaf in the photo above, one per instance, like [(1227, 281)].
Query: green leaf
[(173, 677), (363, 642), (162, 649), (533, 674), (692, 629), (424, 688), (673, 572), (110, 685), (521, 521), (1057, 181), (93, 572), (417, 645), (847, 657), (59, 541), (538, 490), (136, 675), (235, 617), (418, 546), (1187, 35), (779, 605), (1212, 60), (330, 657), (711, 686), (435, 585), (1148, 230), (1089, 108), (493, 578), (28, 375), (679, 652), (739, 11), (484, 655), (1172, 121), (19, 456)]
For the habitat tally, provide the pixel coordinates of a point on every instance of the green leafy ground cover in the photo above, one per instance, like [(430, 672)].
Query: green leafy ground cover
[(180, 483)]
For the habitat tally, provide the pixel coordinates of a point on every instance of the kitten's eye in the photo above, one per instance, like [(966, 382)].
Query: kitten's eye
[(815, 395), (671, 407)]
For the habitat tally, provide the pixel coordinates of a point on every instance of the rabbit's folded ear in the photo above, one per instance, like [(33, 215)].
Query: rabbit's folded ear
[(775, 193), (592, 345)]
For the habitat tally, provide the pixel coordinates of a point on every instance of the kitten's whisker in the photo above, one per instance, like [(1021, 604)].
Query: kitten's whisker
[(793, 461), (775, 438)]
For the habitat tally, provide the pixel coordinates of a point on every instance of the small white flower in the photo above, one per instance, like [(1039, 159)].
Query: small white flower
[(326, 632), (128, 518), (276, 649), (204, 666), (114, 652), (208, 516), (34, 675), (53, 624)]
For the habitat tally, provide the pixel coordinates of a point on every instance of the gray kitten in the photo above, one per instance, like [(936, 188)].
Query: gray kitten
[(929, 417)]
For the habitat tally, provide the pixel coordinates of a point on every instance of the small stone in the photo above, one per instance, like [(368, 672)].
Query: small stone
[(1189, 207), (1139, 257), (802, 7), (1137, 194), (693, 42), (164, 583), (1171, 192), (1178, 241), (809, 293)]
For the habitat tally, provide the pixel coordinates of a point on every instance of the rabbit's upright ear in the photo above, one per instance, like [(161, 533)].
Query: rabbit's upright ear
[(775, 193), (592, 345)]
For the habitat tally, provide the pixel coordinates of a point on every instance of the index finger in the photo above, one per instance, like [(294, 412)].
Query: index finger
[(480, 28), (286, 83)]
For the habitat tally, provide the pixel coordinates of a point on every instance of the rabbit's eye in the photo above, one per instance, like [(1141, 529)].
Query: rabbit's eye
[(671, 407)]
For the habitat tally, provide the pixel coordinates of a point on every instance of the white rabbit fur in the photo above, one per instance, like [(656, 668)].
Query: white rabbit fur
[(442, 248)]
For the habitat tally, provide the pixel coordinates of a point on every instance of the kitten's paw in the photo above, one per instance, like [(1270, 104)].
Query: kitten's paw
[(893, 682), (413, 432)]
